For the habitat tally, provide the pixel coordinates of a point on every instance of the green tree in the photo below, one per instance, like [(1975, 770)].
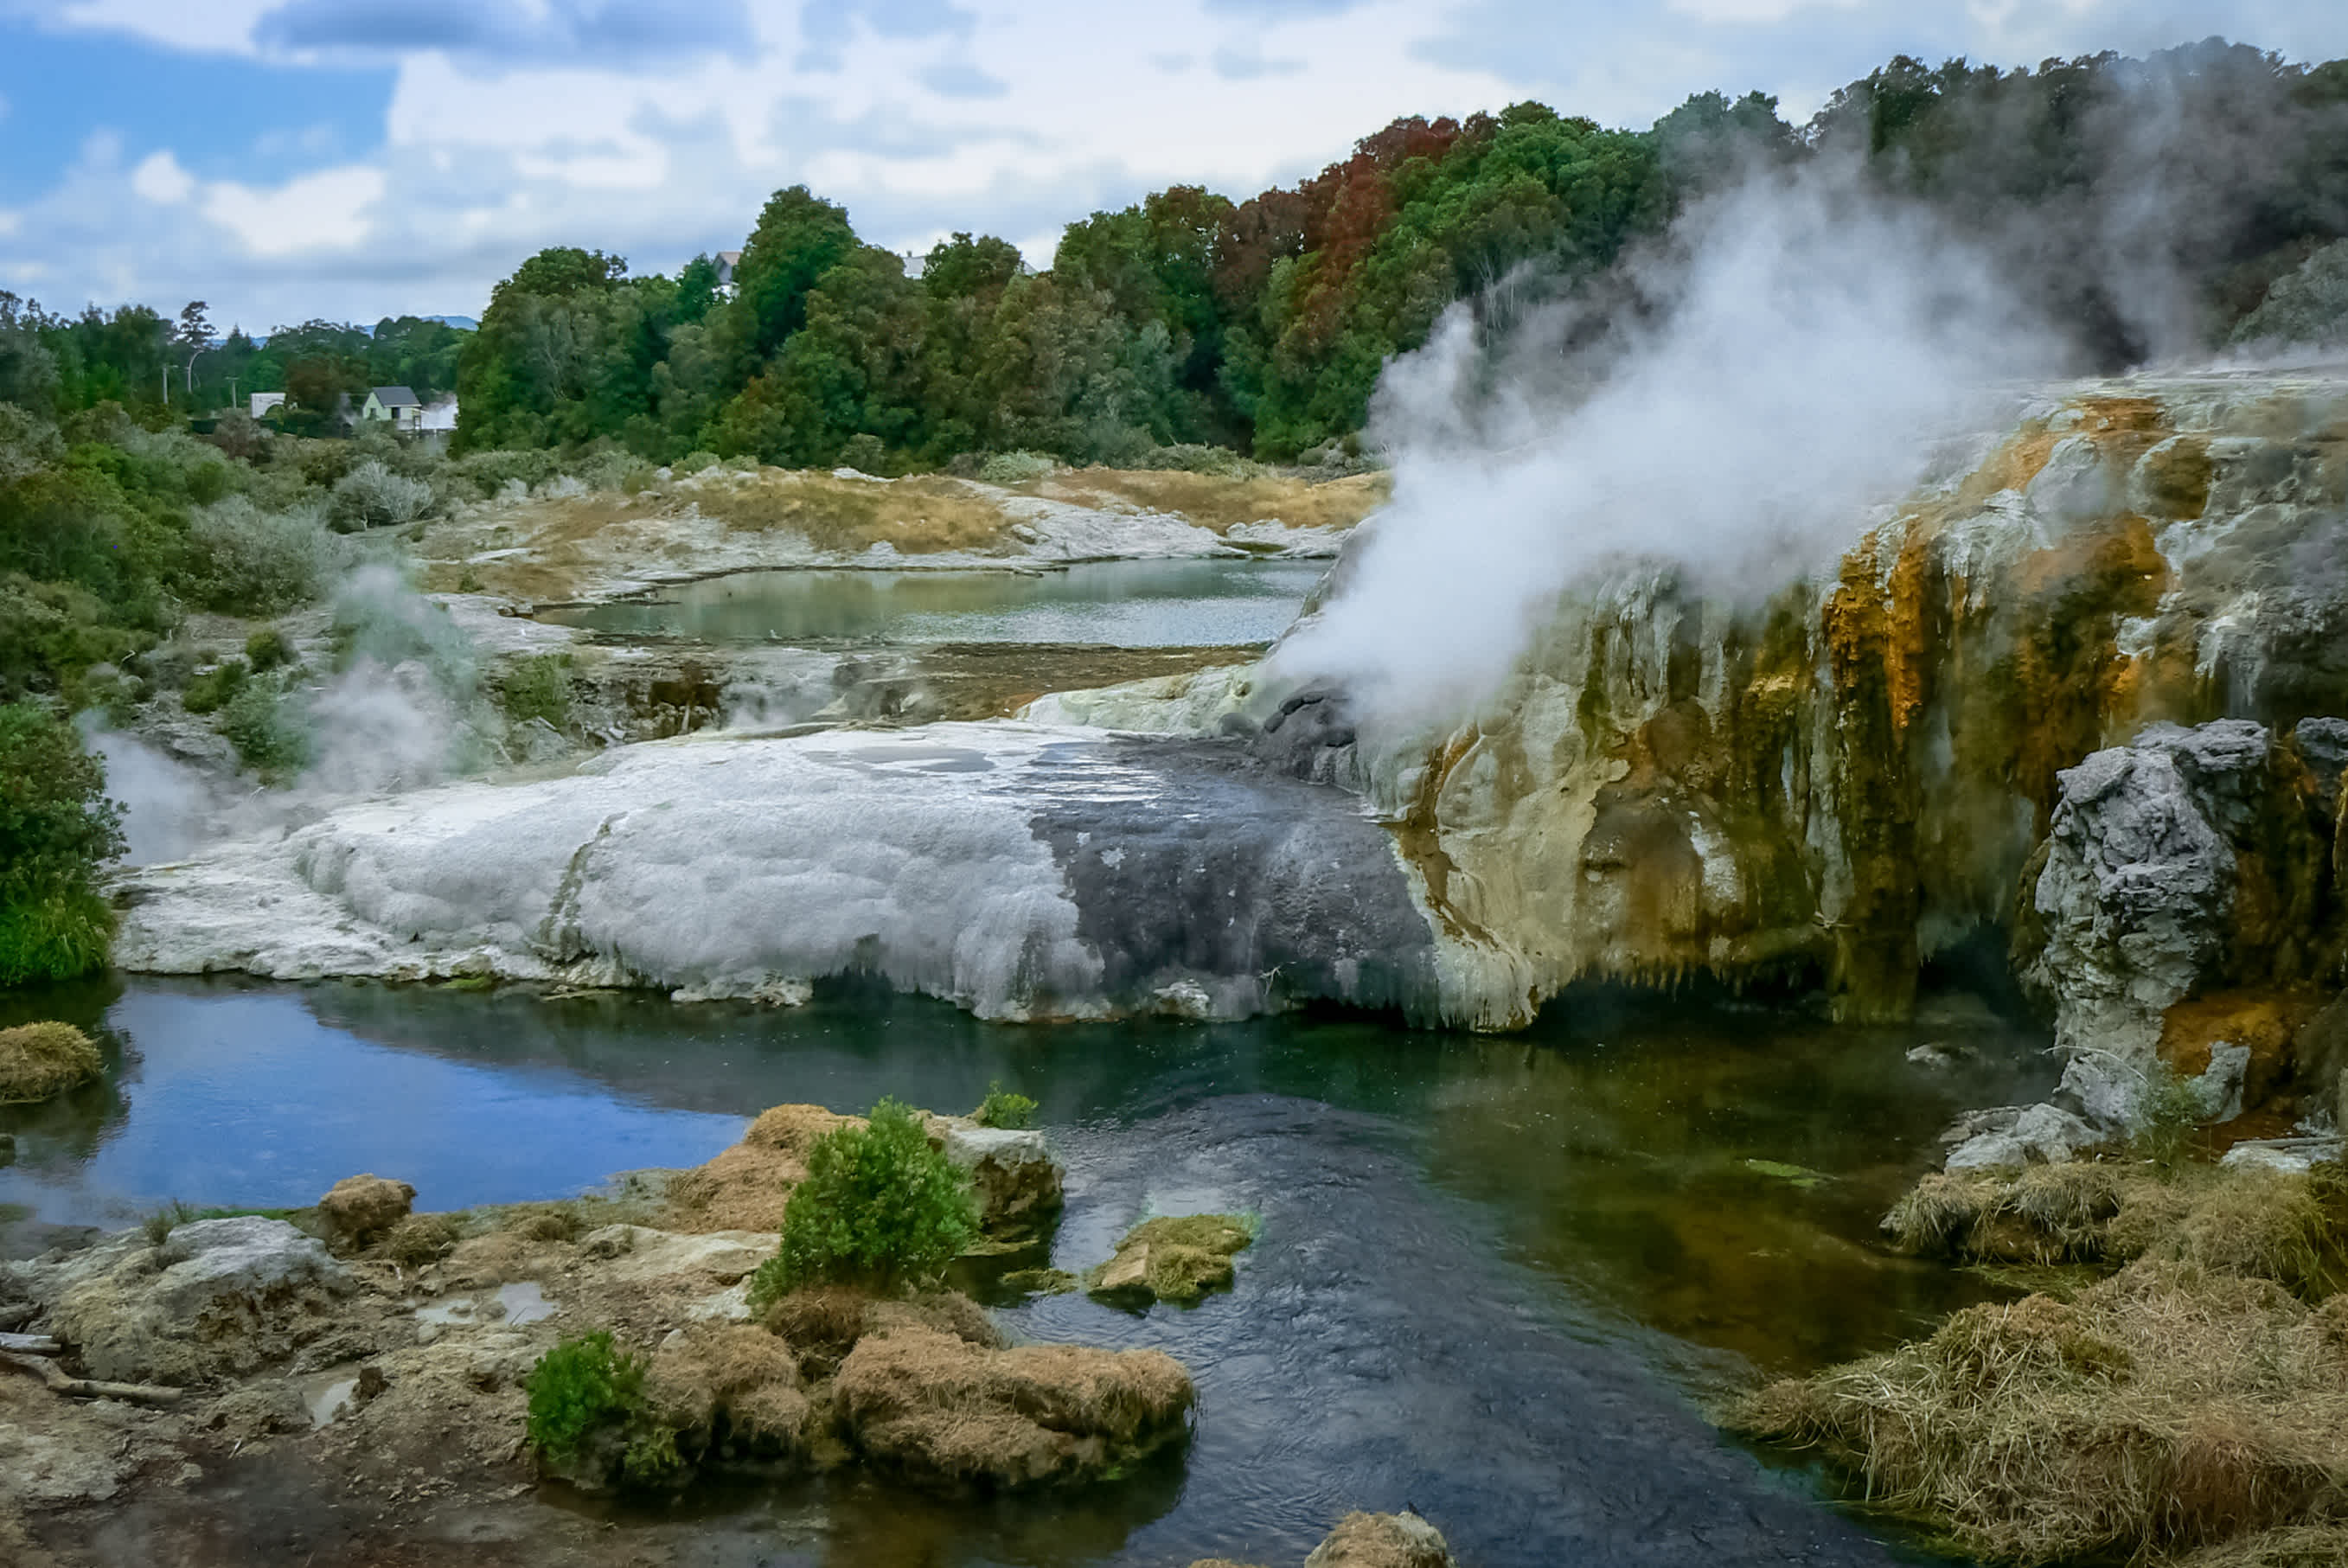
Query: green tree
[(799, 237)]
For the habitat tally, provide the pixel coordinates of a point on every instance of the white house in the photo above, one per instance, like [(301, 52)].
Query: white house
[(726, 261), (400, 407)]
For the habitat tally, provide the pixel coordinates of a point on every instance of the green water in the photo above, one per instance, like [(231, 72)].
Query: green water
[(1116, 604)]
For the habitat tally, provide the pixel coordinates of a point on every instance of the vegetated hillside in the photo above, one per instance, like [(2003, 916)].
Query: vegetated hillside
[(2150, 204)]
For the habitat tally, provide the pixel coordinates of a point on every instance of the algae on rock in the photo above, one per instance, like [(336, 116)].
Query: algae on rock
[(1177, 1258)]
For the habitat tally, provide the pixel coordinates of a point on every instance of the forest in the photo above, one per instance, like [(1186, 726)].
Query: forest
[(2203, 176)]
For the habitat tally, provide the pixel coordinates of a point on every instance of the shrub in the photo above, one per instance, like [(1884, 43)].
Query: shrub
[(1016, 468), (210, 691), (56, 829), (581, 1386), (265, 726), (879, 1209), (537, 686), (38, 1060), (865, 454), (1003, 1108), (2174, 1110), (694, 463), (267, 649), (55, 936), (242, 560), (371, 496)]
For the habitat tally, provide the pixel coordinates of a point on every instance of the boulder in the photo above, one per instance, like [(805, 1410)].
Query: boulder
[(220, 1296), (934, 1407), (357, 1210), (1012, 1172), (2322, 745), (1382, 1540), (2035, 1135), (2167, 868)]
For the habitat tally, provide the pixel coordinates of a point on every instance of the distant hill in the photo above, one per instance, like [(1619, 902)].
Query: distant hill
[(462, 323)]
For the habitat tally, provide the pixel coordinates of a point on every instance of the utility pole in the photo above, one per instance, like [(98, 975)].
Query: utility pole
[(198, 353)]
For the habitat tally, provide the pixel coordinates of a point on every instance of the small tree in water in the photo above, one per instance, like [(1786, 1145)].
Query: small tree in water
[(879, 1209)]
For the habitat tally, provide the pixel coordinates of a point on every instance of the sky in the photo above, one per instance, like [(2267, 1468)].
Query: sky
[(286, 160)]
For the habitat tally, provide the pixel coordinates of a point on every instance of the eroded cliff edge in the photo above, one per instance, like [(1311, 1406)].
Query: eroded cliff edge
[(1827, 783), (1843, 778)]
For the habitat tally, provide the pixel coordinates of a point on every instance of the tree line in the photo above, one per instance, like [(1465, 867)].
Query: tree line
[(2202, 175)]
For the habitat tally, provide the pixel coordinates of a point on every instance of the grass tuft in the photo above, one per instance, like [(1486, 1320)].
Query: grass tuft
[(38, 1060)]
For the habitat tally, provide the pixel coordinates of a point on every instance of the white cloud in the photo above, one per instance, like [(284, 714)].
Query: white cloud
[(210, 26), (884, 106), (323, 212), (160, 178)]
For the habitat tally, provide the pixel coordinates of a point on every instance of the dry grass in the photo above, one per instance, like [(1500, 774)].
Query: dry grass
[(2194, 1402), (917, 516), (933, 1405), (748, 1186), (1218, 503), (38, 1060), (2107, 1214), (421, 1239), (1382, 1540), (740, 1381)]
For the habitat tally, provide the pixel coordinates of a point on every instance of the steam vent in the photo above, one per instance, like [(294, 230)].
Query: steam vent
[(1833, 782)]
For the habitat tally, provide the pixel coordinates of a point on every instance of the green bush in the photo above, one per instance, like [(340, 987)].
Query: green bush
[(210, 691), (267, 649), (265, 726), (56, 829), (55, 936), (1016, 468), (578, 1388), (245, 560), (1004, 1108), (879, 1209), (537, 686)]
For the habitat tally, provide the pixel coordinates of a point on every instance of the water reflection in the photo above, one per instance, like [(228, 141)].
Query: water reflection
[(1487, 1269), (1119, 604)]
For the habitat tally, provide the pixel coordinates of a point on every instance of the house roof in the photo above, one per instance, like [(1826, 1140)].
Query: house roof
[(731, 258), (398, 398)]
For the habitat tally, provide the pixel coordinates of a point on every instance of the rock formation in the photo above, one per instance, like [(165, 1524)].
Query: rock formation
[(1825, 782)]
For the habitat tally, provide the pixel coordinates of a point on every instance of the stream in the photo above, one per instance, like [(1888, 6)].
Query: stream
[(1497, 1279)]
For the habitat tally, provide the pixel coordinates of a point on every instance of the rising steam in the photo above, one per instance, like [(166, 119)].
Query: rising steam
[(1784, 365)]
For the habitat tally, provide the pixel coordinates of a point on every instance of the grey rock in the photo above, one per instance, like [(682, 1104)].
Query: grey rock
[(2293, 1156), (1011, 1169), (248, 1256), (2135, 898), (2322, 745), (2039, 1135)]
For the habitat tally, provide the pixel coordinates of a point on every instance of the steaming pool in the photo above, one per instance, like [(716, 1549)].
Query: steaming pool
[(1222, 603), (1496, 1276)]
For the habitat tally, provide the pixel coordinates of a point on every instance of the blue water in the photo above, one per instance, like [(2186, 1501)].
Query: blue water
[(1490, 1274), (251, 1099)]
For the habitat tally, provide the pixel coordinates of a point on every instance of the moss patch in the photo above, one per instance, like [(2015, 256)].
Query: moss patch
[(1177, 1258)]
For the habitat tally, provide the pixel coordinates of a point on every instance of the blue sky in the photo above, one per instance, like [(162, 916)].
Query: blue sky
[(287, 159)]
